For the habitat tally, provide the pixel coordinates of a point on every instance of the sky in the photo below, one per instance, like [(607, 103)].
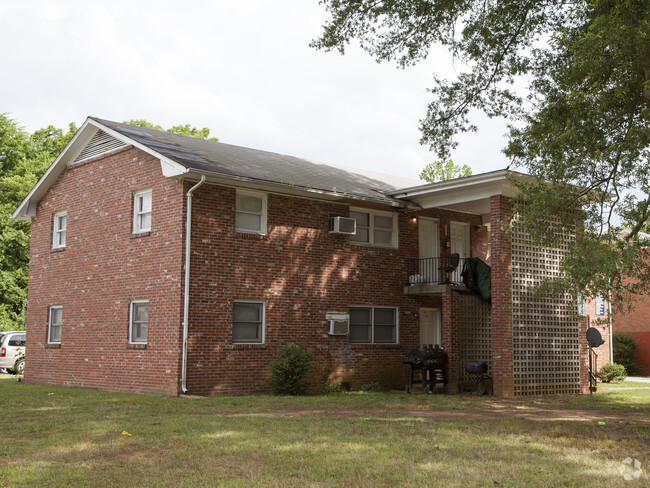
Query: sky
[(244, 69)]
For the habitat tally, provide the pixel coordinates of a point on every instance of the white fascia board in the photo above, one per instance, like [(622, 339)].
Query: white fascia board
[(27, 209), (284, 189), (169, 167), (474, 182)]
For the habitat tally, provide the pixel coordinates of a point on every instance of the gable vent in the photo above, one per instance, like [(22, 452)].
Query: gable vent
[(100, 143)]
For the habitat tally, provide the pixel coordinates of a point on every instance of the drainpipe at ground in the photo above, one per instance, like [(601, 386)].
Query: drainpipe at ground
[(186, 298)]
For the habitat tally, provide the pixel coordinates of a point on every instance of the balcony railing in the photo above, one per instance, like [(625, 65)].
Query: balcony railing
[(440, 270)]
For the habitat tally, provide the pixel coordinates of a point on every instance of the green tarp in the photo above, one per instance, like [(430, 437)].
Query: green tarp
[(477, 276)]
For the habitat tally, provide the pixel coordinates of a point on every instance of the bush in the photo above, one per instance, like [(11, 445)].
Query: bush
[(624, 348), (290, 366), (371, 387), (612, 373)]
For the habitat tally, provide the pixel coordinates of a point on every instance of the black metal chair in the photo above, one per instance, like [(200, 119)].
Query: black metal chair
[(448, 265)]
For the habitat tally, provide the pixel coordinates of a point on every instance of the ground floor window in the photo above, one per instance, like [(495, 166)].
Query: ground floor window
[(55, 324), (248, 322), (139, 321), (373, 325)]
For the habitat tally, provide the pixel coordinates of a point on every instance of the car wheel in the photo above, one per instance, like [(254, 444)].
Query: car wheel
[(19, 367)]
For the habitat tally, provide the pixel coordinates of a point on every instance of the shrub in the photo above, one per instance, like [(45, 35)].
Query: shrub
[(624, 348), (612, 373), (290, 366), (373, 386)]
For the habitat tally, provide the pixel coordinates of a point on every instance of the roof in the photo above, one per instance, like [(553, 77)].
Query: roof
[(189, 158)]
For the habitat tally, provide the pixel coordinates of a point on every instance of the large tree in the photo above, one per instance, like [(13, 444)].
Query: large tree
[(572, 77)]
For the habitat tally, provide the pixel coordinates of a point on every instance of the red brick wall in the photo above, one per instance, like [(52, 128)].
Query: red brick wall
[(501, 261), (302, 272), (637, 324), (102, 268)]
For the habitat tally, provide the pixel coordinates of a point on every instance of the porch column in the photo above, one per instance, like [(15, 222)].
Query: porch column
[(501, 261), (451, 339)]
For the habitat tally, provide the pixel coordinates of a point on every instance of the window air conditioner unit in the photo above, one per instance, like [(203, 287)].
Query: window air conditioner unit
[(343, 225), (338, 323)]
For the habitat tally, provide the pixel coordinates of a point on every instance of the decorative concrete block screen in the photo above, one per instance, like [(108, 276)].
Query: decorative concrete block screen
[(546, 354), (475, 332)]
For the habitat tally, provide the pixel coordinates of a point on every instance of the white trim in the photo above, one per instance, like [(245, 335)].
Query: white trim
[(58, 232), (49, 324), (371, 229), (263, 321), (131, 303), (372, 325), (138, 196), (263, 215)]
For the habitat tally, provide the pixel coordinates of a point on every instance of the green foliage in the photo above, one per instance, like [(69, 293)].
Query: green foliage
[(582, 127), (182, 129), (612, 373), (288, 369), (624, 348), (372, 387), (443, 171)]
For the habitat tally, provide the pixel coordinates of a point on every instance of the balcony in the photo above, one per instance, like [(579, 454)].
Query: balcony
[(433, 275)]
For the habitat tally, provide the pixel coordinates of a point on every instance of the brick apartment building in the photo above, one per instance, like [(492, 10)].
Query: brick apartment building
[(124, 295)]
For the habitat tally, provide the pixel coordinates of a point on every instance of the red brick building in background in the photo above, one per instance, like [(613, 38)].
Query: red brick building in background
[(166, 264), (637, 325)]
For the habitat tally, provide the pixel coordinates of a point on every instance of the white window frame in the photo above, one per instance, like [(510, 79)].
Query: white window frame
[(371, 229), (262, 323), (131, 321), (138, 198), (50, 324), (263, 214), (58, 230), (372, 324)]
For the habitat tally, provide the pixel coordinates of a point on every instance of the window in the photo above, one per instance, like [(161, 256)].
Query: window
[(54, 329), (60, 223), (142, 212), (251, 212), (248, 322), (374, 228), (17, 340), (373, 325), (139, 321)]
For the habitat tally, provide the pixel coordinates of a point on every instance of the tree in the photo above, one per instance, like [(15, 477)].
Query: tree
[(581, 128), (443, 171), (183, 129)]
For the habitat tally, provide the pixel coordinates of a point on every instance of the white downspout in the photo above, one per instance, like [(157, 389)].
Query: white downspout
[(186, 298)]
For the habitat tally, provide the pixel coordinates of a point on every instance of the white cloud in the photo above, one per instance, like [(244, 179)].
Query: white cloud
[(243, 69)]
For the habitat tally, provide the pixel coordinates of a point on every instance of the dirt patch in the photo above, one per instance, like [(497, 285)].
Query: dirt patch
[(494, 411)]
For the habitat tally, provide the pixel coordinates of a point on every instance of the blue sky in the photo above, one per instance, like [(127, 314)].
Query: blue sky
[(243, 69)]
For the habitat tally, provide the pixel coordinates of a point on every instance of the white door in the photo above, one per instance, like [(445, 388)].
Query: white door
[(429, 245), (430, 330), (459, 239)]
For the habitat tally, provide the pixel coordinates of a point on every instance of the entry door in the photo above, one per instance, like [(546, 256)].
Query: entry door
[(429, 244), (430, 330), (459, 237)]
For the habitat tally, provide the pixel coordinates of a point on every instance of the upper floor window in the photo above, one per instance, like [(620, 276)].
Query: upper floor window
[(58, 235), (373, 325), (139, 321), (251, 212), (55, 325), (374, 228), (248, 322), (142, 211)]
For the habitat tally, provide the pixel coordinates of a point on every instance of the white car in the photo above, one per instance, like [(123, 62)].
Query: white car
[(12, 351)]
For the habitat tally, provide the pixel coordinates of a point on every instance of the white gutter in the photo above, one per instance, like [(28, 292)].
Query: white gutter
[(611, 326), (186, 303)]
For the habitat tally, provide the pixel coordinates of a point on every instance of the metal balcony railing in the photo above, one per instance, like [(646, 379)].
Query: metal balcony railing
[(440, 270)]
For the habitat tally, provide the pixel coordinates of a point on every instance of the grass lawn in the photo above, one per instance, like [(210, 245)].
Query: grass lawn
[(69, 437)]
